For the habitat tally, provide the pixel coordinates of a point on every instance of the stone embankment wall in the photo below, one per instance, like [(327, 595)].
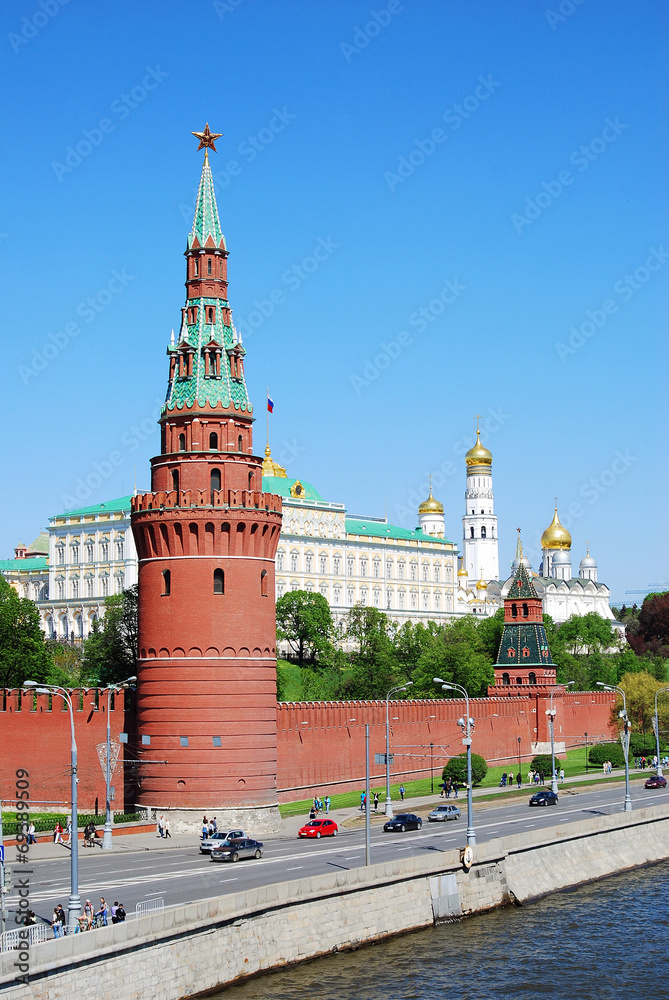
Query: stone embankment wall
[(186, 950)]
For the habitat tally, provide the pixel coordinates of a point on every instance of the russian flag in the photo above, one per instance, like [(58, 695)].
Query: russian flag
[(270, 405)]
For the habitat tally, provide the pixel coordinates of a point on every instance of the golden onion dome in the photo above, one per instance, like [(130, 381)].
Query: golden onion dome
[(478, 455), (556, 535), (462, 571), (481, 585), (431, 506)]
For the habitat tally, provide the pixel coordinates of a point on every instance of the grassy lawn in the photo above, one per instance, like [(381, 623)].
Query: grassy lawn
[(573, 763), (292, 678)]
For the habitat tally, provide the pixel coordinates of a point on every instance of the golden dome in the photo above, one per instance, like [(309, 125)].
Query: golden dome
[(478, 455), (270, 467), (431, 506), (481, 585), (462, 571), (556, 535)]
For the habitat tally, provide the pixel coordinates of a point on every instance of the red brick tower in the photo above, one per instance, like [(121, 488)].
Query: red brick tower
[(206, 538)]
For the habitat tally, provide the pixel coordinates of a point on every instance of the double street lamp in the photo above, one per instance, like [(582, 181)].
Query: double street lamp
[(107, 833), (625, 738), (74, 902), (467, 726), (657, 732), (400, 687), (550, 712)]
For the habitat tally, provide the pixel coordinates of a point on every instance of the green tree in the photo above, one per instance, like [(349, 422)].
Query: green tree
[(456, 655), (640, 691), (304, 621), (653, 626), (456, 769), (410, 643), (586, 634), (23, 652), (110, 652), (68, 667), (489, 634), (374, 667)]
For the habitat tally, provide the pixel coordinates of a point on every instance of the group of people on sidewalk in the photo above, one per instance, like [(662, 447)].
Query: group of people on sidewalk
[(89, 919), (163, 827), (319, 805)]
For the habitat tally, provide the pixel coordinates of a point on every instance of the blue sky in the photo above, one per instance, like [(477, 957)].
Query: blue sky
[(483, 184)]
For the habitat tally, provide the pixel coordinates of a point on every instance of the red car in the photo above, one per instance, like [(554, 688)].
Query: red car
[(656, 781), (319, 828)]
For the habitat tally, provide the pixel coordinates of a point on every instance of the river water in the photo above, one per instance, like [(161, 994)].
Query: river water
[(605, 941)]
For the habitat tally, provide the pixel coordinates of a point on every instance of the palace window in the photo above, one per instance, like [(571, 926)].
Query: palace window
[(437, 602), (389, 570), (308, 563), (400, 570), (336, 565), (377, 599), (60, 555), (280, 561), (89, 551), (426, 570), (119, 548), (349, 565), (414, 601), (426, 602), (413, 572), (89, 587), (337, 595), (219, 581), (401, 600), (437, 571), (279, 589), (389, 600), (323, 563), (119, 581), (293, 562), (104, 550), (75, 589), (105, 586), (74, 552), (363, 567), (350, 596), (377, 568)]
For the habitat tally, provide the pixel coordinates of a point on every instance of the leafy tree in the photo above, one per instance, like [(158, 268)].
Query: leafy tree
[(411, 641), (457, 656), (640, 691), (586, 633), (456, 769), (68, 667), (489, 633), (374, 666), (110, 652), (304, 621), (643, 744), (602, 752), (23, 653), (543, 763), (653, 626)]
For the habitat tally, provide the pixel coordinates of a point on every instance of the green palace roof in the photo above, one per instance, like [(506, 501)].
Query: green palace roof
[(281, 486), (381, 529), (36, 563), (108, 507)]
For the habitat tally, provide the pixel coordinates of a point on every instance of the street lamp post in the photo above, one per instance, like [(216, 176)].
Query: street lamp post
[(657, 731), (432, 768), (467, 726), (586, 752), (400, 687), (74, 902), (519, 764), (107, 833), (625, 741), (550, 712)]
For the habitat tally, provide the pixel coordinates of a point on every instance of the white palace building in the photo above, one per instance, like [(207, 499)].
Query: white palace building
[(413, 575)]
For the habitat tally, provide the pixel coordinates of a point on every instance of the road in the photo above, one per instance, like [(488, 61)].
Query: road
[(184, 875)]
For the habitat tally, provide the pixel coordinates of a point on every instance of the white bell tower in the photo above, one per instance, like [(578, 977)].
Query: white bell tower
[(479, 524)]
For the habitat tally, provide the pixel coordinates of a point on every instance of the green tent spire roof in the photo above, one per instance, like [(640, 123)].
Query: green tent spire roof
[(205, 221)]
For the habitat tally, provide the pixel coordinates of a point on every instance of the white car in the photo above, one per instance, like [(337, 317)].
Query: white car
[(442, 813), (207, 844)]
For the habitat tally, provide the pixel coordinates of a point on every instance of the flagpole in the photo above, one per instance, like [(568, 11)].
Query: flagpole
[(267, 408)]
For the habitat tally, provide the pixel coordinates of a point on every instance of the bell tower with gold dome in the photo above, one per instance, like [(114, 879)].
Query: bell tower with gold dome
[(480, 554)]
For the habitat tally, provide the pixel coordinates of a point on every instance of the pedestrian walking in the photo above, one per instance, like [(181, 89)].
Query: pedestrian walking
[(510, 779), (402, 790), (455, 789), (214, 824), (167, 829), (32, 839), (376, 801), (114, 908), (120, 913), (69, 829), (519, 779), (58, 833), (327, 804), (449, 788), (161, 826), (561, 775), (103, 912)]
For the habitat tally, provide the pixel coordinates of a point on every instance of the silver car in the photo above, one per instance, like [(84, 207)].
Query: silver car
[(442, 813), (207, 844), (237, 848)]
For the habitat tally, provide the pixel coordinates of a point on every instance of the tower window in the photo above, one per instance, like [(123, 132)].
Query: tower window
[(250, 480), (526, 652), (166, 583), (506, 679), (175, 480), (514, 611), (215, 481), (482, 530), (240, 443), (196, 267), (213, 442), (210, 314), (532, 678), (471, 530), (182, 442), (208, 265), (510, 652), (263, 583), (219, 581), (525, 611)]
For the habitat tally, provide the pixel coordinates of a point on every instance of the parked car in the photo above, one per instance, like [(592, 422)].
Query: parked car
[(402, 822), (207, 844), (655, 781), (443, 813), (237, 848), (544, 798), (319, 828)]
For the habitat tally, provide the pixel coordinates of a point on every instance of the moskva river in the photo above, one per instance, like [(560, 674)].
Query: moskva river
[(606, 941)]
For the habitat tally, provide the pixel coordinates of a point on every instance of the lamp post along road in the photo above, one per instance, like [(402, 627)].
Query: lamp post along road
[(657, 732), (107, 834), (401, 687), (625, 739), (467, 726), (550, 712), (74, 901)]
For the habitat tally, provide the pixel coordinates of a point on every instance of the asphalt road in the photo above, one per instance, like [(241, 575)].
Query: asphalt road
[(184, 875)]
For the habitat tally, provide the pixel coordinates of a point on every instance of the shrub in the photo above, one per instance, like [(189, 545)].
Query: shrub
[(456, 769), (543, 762), (642, 745), (602, 752)]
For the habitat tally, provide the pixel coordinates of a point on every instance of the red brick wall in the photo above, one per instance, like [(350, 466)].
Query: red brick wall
[(39, 741)]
